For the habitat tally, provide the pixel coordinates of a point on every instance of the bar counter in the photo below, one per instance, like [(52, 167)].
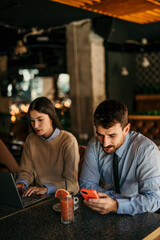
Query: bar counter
[(40, 221)]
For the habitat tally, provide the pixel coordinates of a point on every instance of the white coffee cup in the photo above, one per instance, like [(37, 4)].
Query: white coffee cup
[(76, 200)]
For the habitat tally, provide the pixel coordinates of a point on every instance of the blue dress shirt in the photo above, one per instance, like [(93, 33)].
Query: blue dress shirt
[(138, 170), (50, 187)]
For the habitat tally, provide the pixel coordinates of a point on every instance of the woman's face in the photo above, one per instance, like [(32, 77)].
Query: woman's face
[(41, 123)]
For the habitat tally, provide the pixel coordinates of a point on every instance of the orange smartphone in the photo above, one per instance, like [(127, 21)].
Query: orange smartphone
[(89, 193)]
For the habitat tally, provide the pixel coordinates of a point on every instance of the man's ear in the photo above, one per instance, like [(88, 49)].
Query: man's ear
[(127, 128)]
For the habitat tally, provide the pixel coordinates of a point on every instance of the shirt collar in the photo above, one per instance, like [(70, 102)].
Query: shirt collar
[(53, 136), (120, 150)]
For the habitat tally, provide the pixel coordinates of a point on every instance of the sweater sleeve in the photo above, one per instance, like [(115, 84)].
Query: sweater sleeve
[(26, 170)]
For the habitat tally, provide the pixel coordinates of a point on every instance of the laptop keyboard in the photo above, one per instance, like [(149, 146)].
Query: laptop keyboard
[(29, 200)]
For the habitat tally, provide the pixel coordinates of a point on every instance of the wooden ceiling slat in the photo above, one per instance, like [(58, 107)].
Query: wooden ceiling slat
[(86, 1), (154, 1), (70, 3), (153, 14), (157, 10), (97, 1), (120, 8), (139, 11), (78, 3), (133, 19), (140, 17)]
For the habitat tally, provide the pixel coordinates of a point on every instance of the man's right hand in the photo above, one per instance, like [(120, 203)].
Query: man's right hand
[(103, 205)]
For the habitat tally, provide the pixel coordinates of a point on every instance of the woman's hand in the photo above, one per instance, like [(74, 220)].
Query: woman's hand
[(20, 186), (33, 189), (103, 205)]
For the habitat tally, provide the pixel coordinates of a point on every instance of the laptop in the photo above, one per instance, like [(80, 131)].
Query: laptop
[(11, 196)]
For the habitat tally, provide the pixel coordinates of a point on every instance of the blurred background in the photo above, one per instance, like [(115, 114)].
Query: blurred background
[(78, 53)]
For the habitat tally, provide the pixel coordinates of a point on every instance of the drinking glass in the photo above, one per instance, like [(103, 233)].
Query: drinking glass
[(67, 209)]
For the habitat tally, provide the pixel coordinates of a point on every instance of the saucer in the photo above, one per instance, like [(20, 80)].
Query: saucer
[(56, 207)]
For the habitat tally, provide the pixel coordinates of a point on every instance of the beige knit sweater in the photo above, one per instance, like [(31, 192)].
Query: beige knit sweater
[(50, 162)]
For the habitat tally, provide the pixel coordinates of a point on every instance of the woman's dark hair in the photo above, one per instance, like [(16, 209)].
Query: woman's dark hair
[(44, 105), (110, 112)]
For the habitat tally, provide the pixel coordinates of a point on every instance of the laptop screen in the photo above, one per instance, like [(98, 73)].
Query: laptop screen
[(11, 196), (9, 192)]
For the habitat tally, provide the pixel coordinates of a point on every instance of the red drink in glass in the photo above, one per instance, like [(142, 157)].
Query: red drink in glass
[(67, 209)]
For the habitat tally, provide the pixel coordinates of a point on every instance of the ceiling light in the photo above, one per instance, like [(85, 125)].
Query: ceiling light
[(124, 71), (144, 41), (145, 62), (20, 48)]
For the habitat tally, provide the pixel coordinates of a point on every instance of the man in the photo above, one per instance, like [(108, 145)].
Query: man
[(138, 164)]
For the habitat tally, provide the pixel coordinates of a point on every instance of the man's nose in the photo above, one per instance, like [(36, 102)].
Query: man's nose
[(105, 141)]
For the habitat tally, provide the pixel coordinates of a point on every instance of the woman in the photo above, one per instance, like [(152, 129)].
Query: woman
[(50, 154)]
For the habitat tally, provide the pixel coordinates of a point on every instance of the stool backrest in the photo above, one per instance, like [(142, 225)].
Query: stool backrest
[(82, 150)]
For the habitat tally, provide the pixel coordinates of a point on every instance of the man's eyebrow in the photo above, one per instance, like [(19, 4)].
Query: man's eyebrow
[(111, 134), (99, 133)]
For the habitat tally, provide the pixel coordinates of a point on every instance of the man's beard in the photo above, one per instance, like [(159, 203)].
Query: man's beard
[(108, 149)]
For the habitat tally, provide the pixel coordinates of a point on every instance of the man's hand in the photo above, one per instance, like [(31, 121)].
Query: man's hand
[(103, 205), (33, 189)]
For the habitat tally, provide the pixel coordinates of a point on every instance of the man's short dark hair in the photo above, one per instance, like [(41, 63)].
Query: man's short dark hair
[(110, 112)]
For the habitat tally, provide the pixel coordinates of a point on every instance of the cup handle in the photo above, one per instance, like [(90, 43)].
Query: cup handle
[(76, 200)]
